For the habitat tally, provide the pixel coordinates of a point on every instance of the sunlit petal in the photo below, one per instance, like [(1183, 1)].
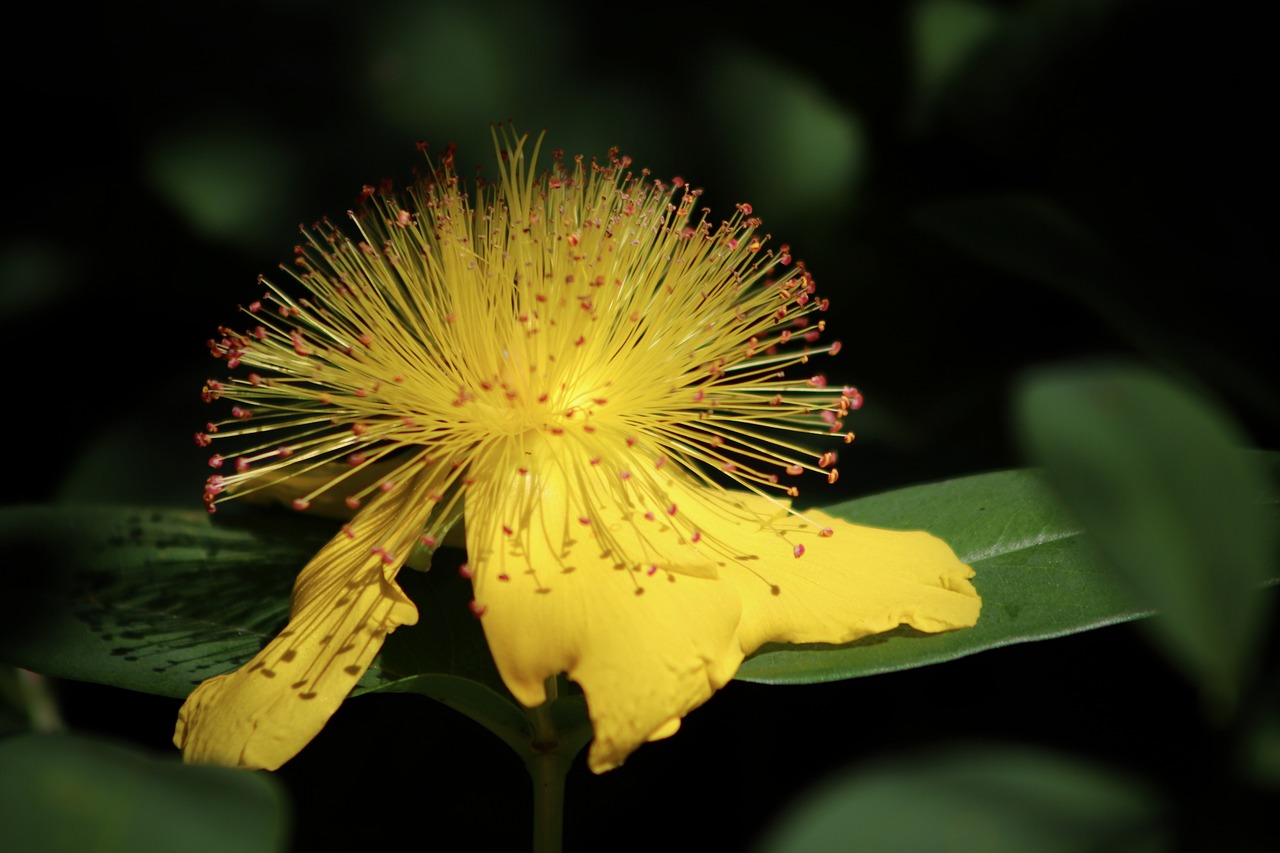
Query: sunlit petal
[(345, 603)]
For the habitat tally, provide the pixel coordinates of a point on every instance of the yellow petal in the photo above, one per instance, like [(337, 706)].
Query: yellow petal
[(345, 603), (649, 642), (647, 645), (855, 582)]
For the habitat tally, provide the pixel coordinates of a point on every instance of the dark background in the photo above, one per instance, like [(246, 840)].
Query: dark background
[(161, 156)]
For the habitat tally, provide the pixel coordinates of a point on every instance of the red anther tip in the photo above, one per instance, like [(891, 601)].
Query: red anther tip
[(582, 519), (671, 510), (507, 530), (352, 502), (833, 476), (300, 503), (798, 551), (825, 532), (464, 571), (477, 610), (203, 440), (429, 541), (835, 347), (215, 461)]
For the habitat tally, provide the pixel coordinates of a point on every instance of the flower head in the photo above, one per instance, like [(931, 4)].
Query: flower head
[(578, 362)]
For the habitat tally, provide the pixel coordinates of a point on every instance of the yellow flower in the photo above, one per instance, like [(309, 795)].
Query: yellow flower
[(577, 363)]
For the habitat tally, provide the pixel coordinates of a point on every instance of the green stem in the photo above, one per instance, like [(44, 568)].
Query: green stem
[(548, 771), (547, 762)]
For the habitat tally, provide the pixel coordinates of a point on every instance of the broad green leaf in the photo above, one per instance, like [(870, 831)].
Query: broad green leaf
[(69, 794), (1036, 573), (154, 601), (1158, 477), (985, 799), (1035, 238), (159, 600)]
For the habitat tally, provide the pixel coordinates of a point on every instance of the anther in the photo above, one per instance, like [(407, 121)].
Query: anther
[(464, 571), (798, 551), (301, 503), (477, 610)]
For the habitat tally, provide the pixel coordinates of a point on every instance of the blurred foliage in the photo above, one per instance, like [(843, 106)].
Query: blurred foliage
[(974, 799), (1159, 479), (69, 794)]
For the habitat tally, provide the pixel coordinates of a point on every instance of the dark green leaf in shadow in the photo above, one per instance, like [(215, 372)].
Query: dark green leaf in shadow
[(985, 799), (1158, 477), (1036, 239), (70, 794), (1029, 236), (154, 601)]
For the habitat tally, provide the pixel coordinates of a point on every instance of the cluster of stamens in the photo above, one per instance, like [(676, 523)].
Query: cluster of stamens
[(588, 312)]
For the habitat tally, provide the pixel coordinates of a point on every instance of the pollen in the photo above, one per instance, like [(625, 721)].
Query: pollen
[(576, 314)]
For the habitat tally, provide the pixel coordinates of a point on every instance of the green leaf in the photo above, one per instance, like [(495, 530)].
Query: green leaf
[(1158, 476), (159, 600), (65, 794), (154, 601), (986, 799), (1036, 573)]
